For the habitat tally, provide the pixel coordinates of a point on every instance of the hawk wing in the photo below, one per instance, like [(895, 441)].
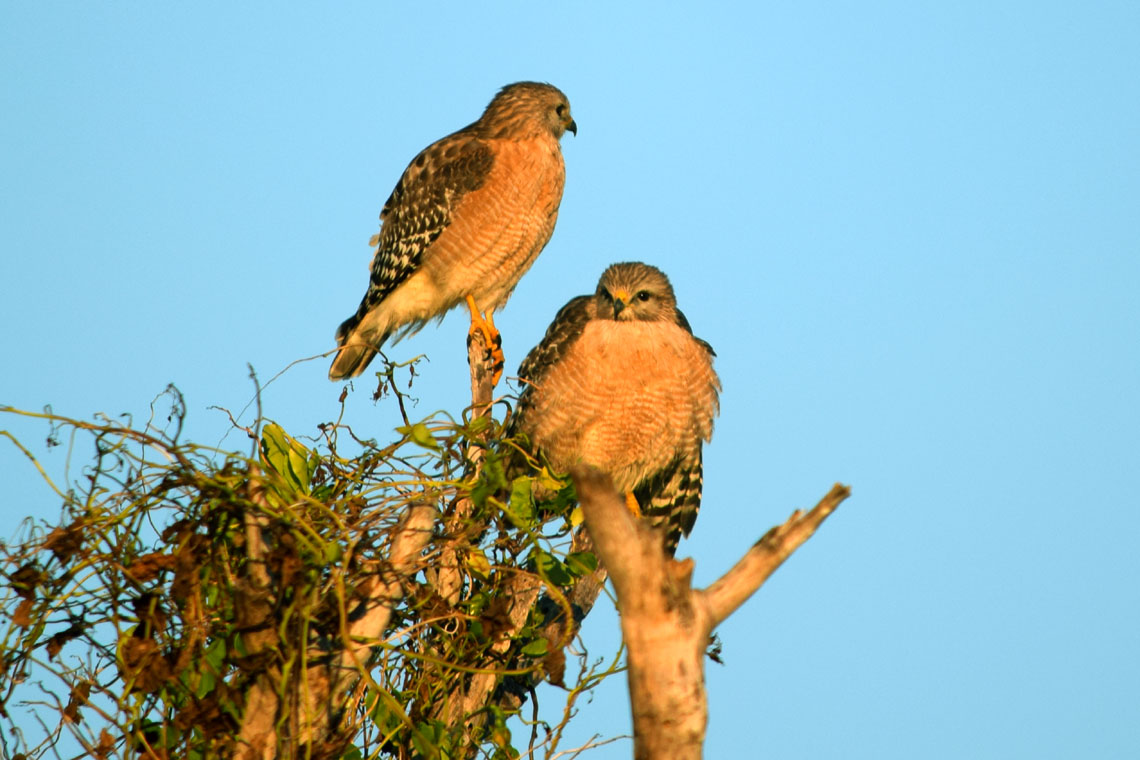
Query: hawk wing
[(560, 336), (672, 498), (563, 331), (419, 210), (683, 322)]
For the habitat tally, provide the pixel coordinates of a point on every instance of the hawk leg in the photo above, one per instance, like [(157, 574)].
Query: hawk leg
[(631, 504), (494, 341)]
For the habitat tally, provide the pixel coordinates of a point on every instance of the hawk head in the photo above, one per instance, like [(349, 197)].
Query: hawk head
[(527, 109), (633, 291)]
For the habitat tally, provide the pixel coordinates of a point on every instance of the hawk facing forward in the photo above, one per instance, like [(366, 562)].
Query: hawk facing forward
[(620, 382), (467, 218)]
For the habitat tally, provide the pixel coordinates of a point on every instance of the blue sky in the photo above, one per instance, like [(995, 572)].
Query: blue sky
[(909, 230)]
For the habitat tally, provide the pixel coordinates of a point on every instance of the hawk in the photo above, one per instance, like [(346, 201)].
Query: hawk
[(466, 220), (620, 382)]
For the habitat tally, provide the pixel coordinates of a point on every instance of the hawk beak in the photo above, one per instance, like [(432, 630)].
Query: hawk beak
[(621, 299), (572, 127)]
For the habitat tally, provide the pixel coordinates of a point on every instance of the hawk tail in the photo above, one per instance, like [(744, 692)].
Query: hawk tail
[(355, 351), (671, 499)]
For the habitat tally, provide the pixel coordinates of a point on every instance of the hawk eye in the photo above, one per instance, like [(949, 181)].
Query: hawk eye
[(643, 295), (605, 294), (560, 109)]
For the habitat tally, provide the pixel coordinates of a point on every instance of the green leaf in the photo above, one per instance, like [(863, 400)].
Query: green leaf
[(477, 603), (382, 717), (478, 425), (287, 457), (581, 563), (494, 474), (419, 435), (536, 648), (479, 494), (333, 551), (216, 653), (548, 567), (478, 565), (520, 507), (499, 734), (426, 739), (559, 497)]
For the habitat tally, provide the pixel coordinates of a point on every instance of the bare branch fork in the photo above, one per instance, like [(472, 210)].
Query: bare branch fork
[(665, 622)]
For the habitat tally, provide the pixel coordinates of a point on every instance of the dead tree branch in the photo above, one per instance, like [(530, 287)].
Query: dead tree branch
[(666, 623), (323, 694), (447, 577), (257, 739), (330, 686), (733, 588)]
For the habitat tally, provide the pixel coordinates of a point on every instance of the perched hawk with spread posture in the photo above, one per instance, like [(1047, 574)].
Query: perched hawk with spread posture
[(467, 218), (620, 382)]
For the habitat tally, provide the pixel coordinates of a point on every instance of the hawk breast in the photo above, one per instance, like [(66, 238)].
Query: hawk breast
[(628, 398)]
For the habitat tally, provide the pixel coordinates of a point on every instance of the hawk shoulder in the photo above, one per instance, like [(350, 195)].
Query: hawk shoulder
[(566, 328), (684, 323)]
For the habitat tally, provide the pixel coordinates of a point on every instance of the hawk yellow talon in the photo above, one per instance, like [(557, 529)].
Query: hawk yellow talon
[(485, 324), (631, 504)]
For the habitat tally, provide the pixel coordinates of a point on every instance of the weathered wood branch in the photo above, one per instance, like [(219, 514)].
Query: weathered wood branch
[(257, 737), (319, 698), (327, 694), (523, 590), (666, 623), (734, 587), (446, 576), (466, 706)]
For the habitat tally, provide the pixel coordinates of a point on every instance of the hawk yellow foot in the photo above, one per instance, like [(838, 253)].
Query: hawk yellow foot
[(485, 324), (631, 504)]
